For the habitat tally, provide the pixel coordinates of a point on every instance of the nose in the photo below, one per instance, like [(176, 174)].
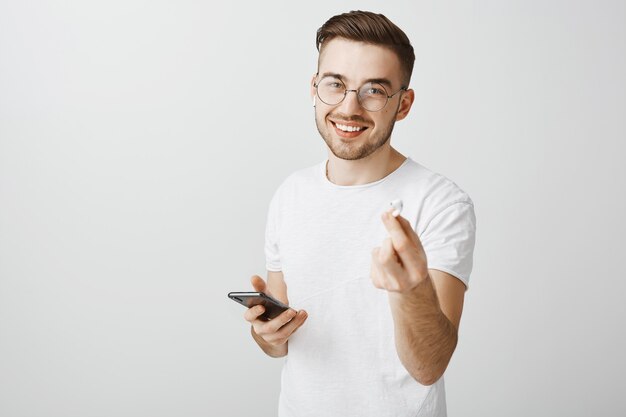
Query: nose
[(350, 103)]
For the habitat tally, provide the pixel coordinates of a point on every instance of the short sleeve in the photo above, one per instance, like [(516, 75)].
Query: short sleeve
[(272, 253), (449, 239)]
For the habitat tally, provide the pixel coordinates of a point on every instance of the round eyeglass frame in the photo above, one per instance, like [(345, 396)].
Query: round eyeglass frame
[(358, 96)]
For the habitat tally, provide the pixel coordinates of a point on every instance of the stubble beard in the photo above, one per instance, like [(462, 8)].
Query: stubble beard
[(349, 151)]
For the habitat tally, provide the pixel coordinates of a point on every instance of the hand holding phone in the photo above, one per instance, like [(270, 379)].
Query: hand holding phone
[(272, 306), (271, 335)]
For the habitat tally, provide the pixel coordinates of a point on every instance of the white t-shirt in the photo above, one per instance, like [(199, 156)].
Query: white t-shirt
[(343, 361)]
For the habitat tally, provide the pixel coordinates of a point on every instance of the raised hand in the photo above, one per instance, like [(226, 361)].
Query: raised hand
[(400, 263)]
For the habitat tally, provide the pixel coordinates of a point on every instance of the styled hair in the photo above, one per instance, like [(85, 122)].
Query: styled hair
[(370, 28)]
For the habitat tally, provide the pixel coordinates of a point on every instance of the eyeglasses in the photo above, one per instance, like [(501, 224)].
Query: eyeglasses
[(371, 96)]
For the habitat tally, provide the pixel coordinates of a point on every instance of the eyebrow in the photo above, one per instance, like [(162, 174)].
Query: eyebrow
[(383, 81)]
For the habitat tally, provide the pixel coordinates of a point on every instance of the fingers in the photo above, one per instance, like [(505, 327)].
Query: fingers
[(391, 265), (375, 273), (258, 284), (254, 313), (400, 263), (387, 254), (284, 333), (278, 330), (275, 324), (405, 246), (404, 225), (396, 232), (387, 271), (408, 230)]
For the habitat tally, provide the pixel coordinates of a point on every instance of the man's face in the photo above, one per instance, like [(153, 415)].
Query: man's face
[(350, 131)]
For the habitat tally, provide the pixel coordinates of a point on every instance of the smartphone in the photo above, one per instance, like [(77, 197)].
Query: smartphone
[(273, 307)]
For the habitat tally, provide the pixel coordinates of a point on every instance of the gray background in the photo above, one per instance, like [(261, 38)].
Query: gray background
[(140, 143)]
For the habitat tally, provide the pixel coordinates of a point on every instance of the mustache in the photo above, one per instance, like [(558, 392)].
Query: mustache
[(346, 118)]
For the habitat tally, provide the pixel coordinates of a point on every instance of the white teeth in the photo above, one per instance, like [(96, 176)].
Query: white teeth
[(349, 128)]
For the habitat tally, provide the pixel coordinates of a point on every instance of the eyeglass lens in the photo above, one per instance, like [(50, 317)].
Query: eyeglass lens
[(371, 96)]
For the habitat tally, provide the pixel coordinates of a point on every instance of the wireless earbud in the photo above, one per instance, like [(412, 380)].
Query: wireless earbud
[(313, 101), (396, 205)]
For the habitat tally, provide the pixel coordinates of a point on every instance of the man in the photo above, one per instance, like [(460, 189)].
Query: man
[(379, 297)]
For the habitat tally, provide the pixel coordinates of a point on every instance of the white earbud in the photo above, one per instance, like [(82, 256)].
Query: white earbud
[(313, 101), (396, 205)]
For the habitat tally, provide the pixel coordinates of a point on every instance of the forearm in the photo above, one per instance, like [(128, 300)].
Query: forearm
[(270, 350), (425, 338)]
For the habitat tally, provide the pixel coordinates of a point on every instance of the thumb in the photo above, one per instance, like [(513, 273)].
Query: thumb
[(258, 283)]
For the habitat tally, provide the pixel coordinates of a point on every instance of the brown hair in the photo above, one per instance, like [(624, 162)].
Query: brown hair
[(371, 28)]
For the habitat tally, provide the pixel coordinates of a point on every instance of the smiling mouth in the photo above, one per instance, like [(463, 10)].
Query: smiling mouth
[(348, 131), (347, 128)]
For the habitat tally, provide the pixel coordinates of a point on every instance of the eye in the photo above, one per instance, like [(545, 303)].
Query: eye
[(332, 84), (375, 91)]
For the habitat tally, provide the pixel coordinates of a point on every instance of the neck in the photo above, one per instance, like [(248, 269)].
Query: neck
[(363, 171)]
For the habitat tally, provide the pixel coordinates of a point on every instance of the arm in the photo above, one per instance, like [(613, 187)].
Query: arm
[(272, 336), (426, 305), (426, 322)]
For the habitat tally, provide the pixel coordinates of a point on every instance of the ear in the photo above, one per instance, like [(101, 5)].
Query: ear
[(313, 92), (406, 101)]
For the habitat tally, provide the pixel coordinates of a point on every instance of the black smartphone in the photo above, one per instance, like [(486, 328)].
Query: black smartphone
[(273, 307)]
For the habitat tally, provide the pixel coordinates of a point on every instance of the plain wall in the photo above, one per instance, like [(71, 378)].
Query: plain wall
[(141, 142)]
